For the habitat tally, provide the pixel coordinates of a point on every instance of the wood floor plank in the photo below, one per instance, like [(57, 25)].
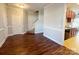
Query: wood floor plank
[(28, 44)]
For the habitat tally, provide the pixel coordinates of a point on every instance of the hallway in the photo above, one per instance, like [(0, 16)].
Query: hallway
[(29, 44)]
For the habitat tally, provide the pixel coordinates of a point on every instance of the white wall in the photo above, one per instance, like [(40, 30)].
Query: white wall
[(9, 20), (54, 16), (3, 24), (25, 21), (39, 23), (13, 21), (16, 20)]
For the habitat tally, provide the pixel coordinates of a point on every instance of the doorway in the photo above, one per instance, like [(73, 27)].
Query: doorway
[(72, 27)]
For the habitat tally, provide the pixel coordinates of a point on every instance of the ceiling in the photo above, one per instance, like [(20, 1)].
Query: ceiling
[(36, 6), (73, 6), (30, 6)]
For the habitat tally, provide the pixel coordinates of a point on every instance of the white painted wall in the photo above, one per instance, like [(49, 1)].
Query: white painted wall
[(16, 20), (25, 21), (3, 24), (9, 20), (13, 21), (54, 16), (39, 23)]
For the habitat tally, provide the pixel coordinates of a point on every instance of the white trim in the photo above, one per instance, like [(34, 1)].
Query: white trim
[(52, 39), (3, 42), (5, 35), (57, 29), (16, 34), (38, 32), (65, 9), (54, 34)]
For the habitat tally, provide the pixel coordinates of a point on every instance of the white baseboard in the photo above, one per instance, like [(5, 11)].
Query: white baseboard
[(3, 36), (16, 34), (54, 34), (51, 39), (3, 42), (38, 32)]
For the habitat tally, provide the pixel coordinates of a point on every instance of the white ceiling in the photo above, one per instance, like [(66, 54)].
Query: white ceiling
[(30, 6), (36, 6)]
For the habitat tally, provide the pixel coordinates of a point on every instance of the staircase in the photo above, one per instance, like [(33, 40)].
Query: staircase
[(31, 31), (33, 25)]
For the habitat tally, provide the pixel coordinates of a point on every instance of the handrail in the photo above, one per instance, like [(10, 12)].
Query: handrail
[(33, 24), (35, 21)]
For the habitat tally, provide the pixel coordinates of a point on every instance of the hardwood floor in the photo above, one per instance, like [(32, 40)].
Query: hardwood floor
[(27, 44), (72, 43)]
